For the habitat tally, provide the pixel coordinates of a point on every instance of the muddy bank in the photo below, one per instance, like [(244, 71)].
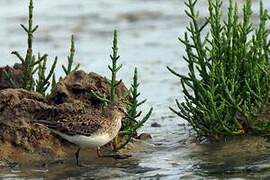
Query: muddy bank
[(236, 157), (23, 140)]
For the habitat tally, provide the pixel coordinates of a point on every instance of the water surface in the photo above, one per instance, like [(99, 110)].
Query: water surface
[(148, 40)]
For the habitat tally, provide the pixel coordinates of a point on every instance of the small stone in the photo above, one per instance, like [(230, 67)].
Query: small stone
[(145, 136), (155, 124)]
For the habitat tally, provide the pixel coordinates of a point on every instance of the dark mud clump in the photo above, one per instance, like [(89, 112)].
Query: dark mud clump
[(78, 87), (155, 124), (15, 73), (21, 138), (18, 133)]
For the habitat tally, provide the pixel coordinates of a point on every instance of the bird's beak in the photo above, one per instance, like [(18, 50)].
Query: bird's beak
[(124, 111)]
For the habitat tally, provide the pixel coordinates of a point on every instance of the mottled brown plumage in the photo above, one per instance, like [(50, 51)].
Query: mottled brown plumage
[(96, 122), (92, 129)]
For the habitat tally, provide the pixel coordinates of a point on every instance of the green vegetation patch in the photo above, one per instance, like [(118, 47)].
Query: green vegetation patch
[(227, 85)]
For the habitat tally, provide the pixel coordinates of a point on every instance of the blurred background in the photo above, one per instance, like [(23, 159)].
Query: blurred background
[(148, 32)]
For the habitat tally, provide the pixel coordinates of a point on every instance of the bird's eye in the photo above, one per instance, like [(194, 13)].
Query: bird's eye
[(121, 109)]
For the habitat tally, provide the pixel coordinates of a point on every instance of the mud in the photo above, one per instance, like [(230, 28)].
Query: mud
[(21, 136), (77, 88)]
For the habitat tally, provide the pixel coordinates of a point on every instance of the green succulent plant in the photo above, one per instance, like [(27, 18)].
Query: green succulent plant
[(227, 85)]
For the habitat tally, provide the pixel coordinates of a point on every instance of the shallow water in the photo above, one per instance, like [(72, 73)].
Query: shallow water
[(148, 39)]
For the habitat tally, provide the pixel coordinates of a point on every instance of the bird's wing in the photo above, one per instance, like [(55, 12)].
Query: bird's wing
[(73, 125)]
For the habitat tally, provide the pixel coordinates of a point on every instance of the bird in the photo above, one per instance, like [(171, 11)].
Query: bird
[(89, 130)]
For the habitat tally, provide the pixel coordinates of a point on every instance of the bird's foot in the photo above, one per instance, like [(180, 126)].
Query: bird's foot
[(117, 156), (83, 165)]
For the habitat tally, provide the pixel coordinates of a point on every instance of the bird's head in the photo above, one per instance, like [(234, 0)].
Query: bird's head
[(118, 109)]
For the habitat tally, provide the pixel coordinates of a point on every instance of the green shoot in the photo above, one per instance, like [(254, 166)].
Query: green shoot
[(69, 69), (114, 68), (53, 81), (43, 82), (10, 80), (131, 124), (29, 62), (227, 85)]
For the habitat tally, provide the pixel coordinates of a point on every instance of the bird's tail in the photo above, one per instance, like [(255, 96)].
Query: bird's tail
[(49, 124)]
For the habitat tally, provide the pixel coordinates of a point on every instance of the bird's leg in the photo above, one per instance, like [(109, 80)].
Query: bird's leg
[(114, 144), (77, 159), (77, 156), (99, 154)]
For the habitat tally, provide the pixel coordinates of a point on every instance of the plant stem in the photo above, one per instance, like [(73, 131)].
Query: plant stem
[(69, 69), (114, 68)]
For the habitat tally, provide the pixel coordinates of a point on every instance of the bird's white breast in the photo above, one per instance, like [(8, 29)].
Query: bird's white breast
[(96, 140)]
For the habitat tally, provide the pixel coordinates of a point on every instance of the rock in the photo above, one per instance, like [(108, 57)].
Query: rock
[(145, 136), (22, 140), (17, 113), (136, 145), (78, 85), (155, 124)]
